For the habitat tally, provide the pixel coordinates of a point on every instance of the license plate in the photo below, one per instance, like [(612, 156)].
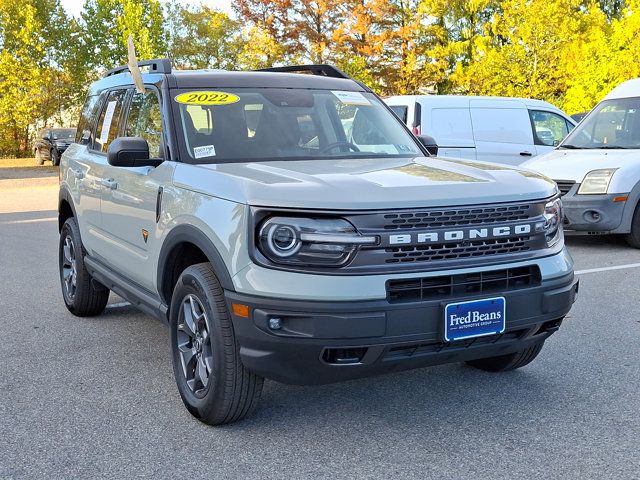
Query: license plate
[(475, 318)]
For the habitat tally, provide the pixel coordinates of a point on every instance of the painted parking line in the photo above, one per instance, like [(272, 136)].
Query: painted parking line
[(606, 269), (32, 220)]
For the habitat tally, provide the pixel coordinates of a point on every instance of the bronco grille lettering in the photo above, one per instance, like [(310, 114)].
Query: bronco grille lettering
[(460, 234)]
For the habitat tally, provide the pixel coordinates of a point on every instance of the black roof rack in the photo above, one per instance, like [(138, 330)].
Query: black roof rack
[(322, 70), (158, 65)]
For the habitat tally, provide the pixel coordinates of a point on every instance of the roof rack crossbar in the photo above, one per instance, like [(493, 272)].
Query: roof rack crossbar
[(322, 70), (157, 65)]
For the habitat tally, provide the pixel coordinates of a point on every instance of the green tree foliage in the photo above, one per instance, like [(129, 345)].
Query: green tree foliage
[(106, 25)]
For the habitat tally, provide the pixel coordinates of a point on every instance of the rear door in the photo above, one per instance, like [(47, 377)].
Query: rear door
[(502, 131), (131, 194), (451, 127)]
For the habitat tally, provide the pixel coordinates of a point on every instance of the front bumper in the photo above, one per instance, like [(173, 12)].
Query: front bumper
[(592, 213), (324, 342)]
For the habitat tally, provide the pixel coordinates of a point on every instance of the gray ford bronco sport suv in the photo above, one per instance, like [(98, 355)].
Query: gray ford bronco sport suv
[(288, 226)]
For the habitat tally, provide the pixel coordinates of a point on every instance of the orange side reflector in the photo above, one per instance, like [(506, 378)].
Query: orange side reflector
[(622, 198), (240, 310)]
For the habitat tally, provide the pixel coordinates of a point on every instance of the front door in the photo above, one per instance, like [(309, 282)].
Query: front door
[(130, 194)]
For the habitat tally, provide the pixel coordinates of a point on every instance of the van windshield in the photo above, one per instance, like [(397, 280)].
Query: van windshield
[(611, 124), (253, 124)]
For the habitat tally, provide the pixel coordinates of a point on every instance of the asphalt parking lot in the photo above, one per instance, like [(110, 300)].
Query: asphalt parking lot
[(96, 397)]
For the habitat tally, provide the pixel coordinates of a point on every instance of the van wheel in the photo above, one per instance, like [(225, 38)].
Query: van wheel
[(633, 237), (214, 385), (39, 159), (504, 363), (83, 296)]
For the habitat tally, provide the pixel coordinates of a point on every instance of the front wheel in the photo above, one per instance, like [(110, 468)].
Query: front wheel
[(505, 363), (82, 295), (213, 383), (55, 157)]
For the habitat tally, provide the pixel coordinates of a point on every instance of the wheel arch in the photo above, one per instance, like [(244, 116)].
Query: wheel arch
[(632, 203), (66, 208), (184, 246)]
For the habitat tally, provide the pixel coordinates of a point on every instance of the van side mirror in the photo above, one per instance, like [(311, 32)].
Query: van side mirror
[(429, 143), (130, 152)]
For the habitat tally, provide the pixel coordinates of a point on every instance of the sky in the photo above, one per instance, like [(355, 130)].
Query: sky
[(74, 7)]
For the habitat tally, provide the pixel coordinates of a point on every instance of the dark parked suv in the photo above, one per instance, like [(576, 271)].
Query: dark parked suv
[(51, 143)]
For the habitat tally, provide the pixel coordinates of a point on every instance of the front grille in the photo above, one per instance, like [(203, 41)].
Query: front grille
[(456, 217), (467, 249), (461, 285), (565, 186)]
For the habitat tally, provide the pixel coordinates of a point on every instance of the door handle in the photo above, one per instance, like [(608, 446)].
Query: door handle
[(110, 183), (77, 173), (526, 154)]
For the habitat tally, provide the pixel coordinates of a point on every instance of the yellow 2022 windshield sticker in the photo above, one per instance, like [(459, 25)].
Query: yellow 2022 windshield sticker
[(207, 98)]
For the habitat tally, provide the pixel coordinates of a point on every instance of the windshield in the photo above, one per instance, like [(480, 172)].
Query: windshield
[(280, 124), (612, 124), (63, 134)]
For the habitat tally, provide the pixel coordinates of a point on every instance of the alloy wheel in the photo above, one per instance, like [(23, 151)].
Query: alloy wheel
[(194, 345), (69, 272)]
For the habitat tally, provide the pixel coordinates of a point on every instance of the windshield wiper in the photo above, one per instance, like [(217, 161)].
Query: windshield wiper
[(612, 147), (570, 147)]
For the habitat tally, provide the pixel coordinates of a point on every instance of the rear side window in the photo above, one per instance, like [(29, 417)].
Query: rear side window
[(84, 133), (109, 121), (502, 125), (145, 120), (451, 127), (402, 111), (548, 128)]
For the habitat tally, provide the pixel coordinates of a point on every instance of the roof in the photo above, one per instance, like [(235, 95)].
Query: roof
[(630, 88), (229, 79), (461, 101)]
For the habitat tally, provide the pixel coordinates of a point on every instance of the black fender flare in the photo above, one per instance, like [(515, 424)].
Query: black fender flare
[(633, 202), (188, 233), (64, 195)]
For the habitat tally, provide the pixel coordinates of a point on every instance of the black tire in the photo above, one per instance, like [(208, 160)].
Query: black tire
[(39, 159), (203, 340), (55, 158), (504, 363), (86, 297), (633, 237)]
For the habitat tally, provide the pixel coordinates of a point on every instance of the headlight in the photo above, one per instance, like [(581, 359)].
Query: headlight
[(552, 225), (310, 241), (596, 182)]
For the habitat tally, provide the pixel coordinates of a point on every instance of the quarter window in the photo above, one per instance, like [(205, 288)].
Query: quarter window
[(84, 133), (109, 122), (145, 120)]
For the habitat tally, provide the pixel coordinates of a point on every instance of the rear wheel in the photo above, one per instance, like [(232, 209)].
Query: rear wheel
[(504, 363), (214, 385), (633, 237), (83, 296)]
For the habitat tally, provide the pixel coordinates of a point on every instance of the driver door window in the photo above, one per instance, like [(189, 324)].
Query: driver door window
[(145, 120), (548, 128)]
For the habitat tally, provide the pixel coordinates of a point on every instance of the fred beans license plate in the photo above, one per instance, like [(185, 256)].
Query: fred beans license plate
[(475, 318)]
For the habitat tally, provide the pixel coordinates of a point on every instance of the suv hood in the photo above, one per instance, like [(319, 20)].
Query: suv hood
[(369, 183), (575, 164)]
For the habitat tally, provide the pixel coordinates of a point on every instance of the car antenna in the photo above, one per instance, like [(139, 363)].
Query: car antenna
[(133, 66)]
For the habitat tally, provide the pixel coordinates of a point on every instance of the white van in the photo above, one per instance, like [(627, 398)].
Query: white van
[(492, 129), (597, 167)]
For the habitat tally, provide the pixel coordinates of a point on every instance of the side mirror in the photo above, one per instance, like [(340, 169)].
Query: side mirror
[(429, 143), (130, 152)]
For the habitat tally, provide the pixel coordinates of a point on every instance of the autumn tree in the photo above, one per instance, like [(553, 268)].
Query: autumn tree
[(106, 25)]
